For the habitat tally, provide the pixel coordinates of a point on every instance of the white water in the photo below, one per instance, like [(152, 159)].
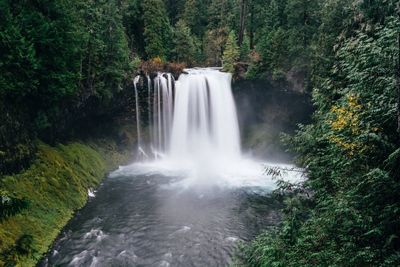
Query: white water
[(162, 113), (205, 123), (137, 111), (194, 134)]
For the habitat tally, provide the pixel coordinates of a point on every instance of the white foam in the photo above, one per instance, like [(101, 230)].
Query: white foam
[(225, 174), (231, 239), (95, 233), (77, 260), (91, 193), (95, 260), (164, 264)]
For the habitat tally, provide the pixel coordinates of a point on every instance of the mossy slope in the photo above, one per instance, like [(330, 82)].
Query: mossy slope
[(55, 185)]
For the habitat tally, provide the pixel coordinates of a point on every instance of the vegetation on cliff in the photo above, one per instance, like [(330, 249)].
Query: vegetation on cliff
[(52, 189)]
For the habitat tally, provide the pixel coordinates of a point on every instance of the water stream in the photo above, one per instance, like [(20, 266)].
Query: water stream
[(188, 206)]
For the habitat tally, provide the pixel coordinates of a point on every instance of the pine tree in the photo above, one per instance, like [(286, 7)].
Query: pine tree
[(231, 53), (133, 24), (184, 43), (302, 21), (106, 57), (245, 49), (195, 16), (157, 29)]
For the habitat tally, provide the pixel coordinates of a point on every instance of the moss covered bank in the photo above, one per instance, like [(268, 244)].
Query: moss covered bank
[(54, 187)]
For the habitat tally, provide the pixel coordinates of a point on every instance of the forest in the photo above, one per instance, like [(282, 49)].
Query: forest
[(66, 68)]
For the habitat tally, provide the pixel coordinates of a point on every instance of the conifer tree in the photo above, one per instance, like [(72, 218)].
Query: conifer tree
[(195, 16), (184, 43), (245, 49), (231, 53), (157, 29)]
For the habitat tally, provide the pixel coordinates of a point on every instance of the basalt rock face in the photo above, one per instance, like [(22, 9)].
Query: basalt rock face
[(266, 110)]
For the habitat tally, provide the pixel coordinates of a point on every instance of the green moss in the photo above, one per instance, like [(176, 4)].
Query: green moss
[(55, 185)]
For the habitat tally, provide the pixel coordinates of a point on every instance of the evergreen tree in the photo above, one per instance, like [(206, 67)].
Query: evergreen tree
[(157, 29), (302, 21), (175, 9), (134, 26), (245, 49), (195, 16), (106, 52), (184, 44), (231, 53)]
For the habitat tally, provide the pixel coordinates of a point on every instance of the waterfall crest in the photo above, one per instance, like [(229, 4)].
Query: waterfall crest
[(195, 115), (205, 120)]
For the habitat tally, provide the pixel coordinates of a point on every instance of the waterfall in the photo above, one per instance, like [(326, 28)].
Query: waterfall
[(136, 80), (149, 110), (162, 111), (205, 122), (191, 117), (194, 132)]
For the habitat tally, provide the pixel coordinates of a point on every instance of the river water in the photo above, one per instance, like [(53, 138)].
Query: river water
[(146, 220)]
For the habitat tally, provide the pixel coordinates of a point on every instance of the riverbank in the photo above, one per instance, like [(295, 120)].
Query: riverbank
[(54, 187)]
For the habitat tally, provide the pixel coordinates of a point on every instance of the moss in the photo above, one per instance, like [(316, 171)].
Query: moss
[(55, 185)]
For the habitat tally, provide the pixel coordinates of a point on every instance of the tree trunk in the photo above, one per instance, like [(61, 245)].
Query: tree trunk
[(251, 31), (242, 21), (398, 86)]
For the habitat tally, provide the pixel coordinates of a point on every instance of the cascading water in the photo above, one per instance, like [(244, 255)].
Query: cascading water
[(137, 110), (162, 113), (205, 122), (194, 131), (141, 152)]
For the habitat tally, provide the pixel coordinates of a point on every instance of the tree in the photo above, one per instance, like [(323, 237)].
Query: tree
[(220, 20), (221, 15), (134, 26), (195, 16), (302, 21), (174, 9), (352, 154), (245, 49), (231, 53), (398, 86), (106, 57), (242, 23), (157, 29), (185, 49)]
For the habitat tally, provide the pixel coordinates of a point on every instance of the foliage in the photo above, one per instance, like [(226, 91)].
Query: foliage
[(351, 153), (231, 53), (157, 29), (220, 23), (132, 17), (215, 41), (58, 59), (10, 206), (107, 54), (195, 16), (185, 45), (55, 186), (245, 49)]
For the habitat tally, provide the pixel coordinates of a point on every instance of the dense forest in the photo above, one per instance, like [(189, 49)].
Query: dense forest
[(64, 63)]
